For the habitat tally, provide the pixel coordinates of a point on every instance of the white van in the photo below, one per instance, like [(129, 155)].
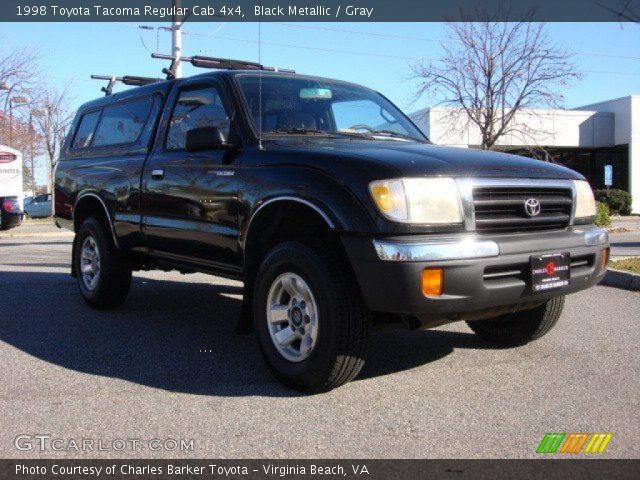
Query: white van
[(11, 196)]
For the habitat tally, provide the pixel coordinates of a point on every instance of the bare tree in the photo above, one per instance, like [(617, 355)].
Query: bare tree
[(492, 70), (624, 10), (19, 78), (52, 117)]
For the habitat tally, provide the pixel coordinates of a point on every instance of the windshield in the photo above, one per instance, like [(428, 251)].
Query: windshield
[(299, 105)]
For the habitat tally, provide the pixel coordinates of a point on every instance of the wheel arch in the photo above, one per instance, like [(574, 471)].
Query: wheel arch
[(280, 218), (91, 204)]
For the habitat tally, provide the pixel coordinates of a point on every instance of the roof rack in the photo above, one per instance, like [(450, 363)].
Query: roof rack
[(213, 62), (126, 80)]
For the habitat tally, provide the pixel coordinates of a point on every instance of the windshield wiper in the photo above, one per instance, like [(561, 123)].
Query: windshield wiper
[(391, 133), (363, 135), (299, 131), (311, 131)]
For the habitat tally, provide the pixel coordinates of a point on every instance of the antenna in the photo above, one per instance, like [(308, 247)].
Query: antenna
[(260, 147), (126, 80)]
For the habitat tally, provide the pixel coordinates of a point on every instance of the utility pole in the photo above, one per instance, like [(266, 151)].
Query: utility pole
[(176, 37)]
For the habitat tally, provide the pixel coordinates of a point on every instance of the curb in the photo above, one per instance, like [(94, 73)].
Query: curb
[(62, 233), (621, 279)]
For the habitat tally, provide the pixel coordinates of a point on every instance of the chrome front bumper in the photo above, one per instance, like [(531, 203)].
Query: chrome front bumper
[(462, 248)]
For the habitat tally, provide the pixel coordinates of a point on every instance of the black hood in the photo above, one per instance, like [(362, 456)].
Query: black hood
[(418, 159)]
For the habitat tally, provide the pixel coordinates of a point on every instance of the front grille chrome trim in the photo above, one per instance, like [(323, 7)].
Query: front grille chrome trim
[(433, 251), (596, 237), (466, 185)]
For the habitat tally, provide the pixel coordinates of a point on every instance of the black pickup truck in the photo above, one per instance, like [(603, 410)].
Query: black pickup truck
[(332, 208)]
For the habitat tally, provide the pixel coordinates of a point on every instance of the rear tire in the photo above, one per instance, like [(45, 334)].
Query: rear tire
[(103, 276), (519, 328), (332, 309)]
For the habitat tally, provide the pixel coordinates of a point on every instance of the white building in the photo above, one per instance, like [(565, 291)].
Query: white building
[(11, 173), (584, 139)]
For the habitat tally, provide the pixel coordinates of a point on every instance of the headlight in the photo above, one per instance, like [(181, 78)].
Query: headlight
[(585, 203), (434, 201)]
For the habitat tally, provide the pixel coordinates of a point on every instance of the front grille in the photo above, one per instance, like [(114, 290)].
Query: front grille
[(502, 209)]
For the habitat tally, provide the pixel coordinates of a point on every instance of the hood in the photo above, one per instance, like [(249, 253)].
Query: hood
[(417, 159)]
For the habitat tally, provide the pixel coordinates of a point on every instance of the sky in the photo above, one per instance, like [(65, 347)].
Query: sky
[(377, 55)]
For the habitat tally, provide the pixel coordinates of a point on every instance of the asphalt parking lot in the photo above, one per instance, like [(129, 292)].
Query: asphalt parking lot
[(168, 365)]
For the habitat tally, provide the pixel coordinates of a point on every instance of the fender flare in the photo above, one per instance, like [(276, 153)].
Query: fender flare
[(291, 198), (106, 211)]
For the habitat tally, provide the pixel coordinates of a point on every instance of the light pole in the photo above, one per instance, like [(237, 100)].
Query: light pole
[(44, 116), (176, 38)]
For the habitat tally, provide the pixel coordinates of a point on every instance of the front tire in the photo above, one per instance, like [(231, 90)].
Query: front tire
[(519, 328), (311, 322), (103, 276)]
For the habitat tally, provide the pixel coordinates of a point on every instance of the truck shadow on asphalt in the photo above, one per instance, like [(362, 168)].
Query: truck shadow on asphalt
[(175, 336)]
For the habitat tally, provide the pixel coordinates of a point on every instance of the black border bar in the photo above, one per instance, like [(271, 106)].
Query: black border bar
[(320, 10), (547, 469)]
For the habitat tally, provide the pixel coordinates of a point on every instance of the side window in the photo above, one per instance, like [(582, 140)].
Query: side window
[(195, 108), (122, 124), (87, 126)]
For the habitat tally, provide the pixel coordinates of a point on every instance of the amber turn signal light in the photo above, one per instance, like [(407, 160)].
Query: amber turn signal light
[(604, 258), (432, 281)]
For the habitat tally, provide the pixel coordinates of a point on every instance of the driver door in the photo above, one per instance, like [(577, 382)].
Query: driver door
[(190, 198)]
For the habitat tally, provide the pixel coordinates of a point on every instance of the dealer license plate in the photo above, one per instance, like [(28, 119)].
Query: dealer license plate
[(551, 271)]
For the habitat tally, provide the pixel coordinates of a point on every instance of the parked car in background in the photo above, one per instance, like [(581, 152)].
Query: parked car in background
[(10, 213), (38, 206)]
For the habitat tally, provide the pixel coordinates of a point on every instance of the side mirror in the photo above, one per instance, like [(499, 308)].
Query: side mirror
[(205, 138)]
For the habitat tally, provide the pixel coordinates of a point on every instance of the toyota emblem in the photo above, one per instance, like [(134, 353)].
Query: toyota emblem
[(532, 207)]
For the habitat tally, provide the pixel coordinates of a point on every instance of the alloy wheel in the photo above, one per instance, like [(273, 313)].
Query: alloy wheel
[(292, 317)]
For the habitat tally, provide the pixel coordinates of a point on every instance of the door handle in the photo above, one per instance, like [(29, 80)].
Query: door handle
[(157, 174)]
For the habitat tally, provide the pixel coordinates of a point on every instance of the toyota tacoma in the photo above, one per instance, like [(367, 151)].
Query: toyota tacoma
[(330, 205)]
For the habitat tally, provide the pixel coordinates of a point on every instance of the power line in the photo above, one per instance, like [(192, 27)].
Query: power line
[(353, 52), (390, 35), (209, 34), (608, 73), (319, 49), (422, 39), (373, 54), (371, 34), (606, 55)]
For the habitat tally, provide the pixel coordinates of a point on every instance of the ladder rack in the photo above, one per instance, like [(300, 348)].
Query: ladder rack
[(126, 80), (213, 62)]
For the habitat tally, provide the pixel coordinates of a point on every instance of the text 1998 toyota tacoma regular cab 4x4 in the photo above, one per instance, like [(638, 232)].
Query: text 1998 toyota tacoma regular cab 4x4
[(331, 207)]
